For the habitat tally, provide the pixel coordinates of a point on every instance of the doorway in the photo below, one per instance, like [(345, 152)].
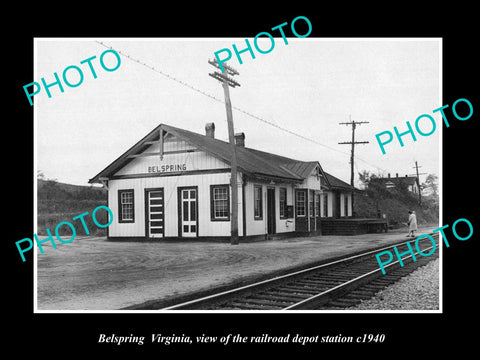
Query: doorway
[(271, 211), (301, 210), (154, 213), (187, 212)]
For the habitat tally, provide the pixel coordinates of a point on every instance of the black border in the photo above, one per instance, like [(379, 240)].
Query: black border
[(54, 334)]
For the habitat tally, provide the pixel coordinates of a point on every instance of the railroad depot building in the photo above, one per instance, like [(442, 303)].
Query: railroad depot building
[(175, 184)]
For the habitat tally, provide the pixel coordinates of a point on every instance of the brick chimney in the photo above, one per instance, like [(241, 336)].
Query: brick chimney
[(396, 174), (210, 130), (240, 139), (388, 175)]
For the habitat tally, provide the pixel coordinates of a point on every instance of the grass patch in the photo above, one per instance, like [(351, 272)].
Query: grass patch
[(58, 202)]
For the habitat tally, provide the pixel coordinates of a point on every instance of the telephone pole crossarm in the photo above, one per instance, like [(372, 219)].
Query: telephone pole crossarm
[(354, 122), (221, 77), (230, 71), (356, 142)]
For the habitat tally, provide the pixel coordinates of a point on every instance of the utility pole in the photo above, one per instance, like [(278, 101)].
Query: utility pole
[(352, 153), (226, 82), (353, 142), (418, 183)]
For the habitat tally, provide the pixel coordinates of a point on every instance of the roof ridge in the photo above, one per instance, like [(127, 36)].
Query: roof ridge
[(251, 161), (249, 154)]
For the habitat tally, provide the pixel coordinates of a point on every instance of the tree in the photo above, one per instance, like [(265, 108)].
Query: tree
[(365, 177), (46, 187), (431, 185)]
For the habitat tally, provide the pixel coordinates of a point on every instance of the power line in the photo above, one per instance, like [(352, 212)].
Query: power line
[(162, 73), (184, 83)]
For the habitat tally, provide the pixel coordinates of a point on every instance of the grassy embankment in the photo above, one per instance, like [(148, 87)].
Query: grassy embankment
[(396, 203), (59, 202)]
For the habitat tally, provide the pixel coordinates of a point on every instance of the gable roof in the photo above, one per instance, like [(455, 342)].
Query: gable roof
[(300, 168), (249, 161), (336, 183)]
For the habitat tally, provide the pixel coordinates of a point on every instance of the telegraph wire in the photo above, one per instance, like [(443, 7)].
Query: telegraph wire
[(233, 107)]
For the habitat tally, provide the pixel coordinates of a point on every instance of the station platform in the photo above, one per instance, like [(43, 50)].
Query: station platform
[(353, 226), (92, 273)]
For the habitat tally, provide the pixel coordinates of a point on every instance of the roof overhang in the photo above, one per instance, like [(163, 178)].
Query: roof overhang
[(270, 178)]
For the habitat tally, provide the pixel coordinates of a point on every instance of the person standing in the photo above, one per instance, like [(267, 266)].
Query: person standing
[(412, 224)]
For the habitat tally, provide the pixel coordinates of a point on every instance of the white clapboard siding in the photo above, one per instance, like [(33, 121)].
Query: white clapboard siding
[(329, 200), (258, 227), (283, 225), (348, 198), (342, 204), (170, 185), (197, 160), (254, 227), (312, 182)]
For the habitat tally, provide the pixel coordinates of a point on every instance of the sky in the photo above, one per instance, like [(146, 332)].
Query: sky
[(308, 87)]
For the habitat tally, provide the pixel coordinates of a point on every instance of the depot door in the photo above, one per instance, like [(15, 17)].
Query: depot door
[(271, 210), (187, 212), (154, 213), (301, 210), (311, 211)]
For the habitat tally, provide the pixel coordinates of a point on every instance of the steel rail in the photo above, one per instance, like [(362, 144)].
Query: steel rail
[(315, 299), (326, 295)]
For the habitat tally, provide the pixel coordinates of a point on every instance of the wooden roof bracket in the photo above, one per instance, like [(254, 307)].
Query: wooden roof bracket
[(104, 181), (161, 143)]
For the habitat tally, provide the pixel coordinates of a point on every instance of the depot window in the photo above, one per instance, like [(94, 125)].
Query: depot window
[(257, 202), (317, 205), (283, 203), (220, 203), (126, 210), (300, 203)]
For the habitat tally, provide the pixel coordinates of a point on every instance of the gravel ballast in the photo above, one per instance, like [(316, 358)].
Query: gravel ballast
[(416, 291)]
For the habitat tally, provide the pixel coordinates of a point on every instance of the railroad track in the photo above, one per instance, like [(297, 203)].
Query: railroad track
[(335, 285)]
